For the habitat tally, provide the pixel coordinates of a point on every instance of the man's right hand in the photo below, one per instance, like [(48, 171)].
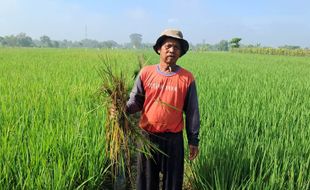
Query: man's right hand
[(193, 152)]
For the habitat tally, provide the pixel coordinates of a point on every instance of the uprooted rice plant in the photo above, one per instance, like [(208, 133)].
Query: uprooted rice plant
[(123, 135)]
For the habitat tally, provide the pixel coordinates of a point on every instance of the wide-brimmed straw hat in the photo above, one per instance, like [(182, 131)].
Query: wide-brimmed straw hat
[(172, 33)]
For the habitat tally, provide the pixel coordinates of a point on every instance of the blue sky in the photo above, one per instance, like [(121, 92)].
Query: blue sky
[(268, 22)]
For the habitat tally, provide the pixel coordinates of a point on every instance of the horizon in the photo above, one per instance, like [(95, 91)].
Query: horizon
[(269, 23)]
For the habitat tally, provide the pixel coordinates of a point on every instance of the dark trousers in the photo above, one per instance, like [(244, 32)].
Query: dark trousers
[(170, 165)]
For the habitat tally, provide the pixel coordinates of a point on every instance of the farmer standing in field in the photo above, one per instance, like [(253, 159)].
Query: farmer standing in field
[(163, 92)]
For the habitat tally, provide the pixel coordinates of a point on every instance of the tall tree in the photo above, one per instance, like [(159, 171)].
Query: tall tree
[(136, 40), (234, 43), (23, 40), (46, 41)]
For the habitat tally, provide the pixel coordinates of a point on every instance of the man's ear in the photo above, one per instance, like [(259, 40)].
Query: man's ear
[(158, 51)]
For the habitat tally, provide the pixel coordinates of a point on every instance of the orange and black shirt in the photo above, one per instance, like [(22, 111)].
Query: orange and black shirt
[(163, 99)]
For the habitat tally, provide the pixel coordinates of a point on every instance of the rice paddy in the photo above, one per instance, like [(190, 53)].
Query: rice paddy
[(255, 119)]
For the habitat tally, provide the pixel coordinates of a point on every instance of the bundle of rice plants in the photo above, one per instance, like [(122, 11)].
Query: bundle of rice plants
[(121, 130), (141, 63)]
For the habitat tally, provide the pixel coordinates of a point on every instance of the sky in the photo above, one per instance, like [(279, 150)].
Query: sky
[(267, 22)]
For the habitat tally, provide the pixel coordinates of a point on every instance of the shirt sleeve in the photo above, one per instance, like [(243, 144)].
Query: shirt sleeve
[(192, 116), (136, 98)]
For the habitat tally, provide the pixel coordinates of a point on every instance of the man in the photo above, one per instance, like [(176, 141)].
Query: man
[(163, 93)]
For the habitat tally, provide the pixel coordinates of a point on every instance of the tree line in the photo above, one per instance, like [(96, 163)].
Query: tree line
[(23, 40)]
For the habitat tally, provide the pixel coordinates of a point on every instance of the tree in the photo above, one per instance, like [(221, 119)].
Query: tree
[(2, 42), (289, 47), (109, 44), (223, 45), (202, 46), (66, 44), (136, 40), (10, 41), (234, 43), (46, 41), (23, 40), (55, 44), (89, 43)]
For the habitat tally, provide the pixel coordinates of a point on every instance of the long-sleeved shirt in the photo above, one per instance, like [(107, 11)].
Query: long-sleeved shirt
[(163, 98)]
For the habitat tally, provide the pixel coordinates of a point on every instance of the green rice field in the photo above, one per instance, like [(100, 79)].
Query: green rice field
[(255, 119)]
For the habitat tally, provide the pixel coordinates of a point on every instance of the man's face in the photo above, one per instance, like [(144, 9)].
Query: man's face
[(170, 51)]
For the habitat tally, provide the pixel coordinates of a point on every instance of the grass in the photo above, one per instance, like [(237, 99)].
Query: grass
[(255, 119), (52, 133), (255, 115)]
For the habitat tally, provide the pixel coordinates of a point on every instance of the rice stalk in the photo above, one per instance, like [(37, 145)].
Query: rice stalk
[(141, 63), (122, 131)]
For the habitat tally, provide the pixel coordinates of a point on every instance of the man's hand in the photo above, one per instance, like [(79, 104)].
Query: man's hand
[(193, 152)]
